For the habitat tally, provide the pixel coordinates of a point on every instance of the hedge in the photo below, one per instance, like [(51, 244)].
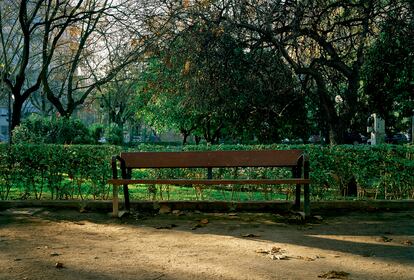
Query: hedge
[(81, 171)]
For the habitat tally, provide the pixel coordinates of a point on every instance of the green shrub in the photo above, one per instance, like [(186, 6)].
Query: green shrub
[(81, 171), (64, 171), (114, 134), (37, 130), (96, 131)]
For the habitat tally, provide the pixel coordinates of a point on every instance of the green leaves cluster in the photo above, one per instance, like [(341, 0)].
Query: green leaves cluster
[(209, 83), (49, 130), (28, 171), (79, 172)]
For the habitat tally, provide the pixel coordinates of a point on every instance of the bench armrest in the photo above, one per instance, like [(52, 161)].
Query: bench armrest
[(115, 169)]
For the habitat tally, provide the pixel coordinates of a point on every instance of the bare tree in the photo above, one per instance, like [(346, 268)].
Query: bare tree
[(70, 48)]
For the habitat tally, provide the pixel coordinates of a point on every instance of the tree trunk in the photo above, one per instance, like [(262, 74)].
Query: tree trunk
[(16, 112), (334, 123)]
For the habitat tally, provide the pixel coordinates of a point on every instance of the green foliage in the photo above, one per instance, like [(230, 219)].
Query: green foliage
[(37, 129), (388, 72), (97, 131), (114, 134), (74, 171), (208, 85), (63, 171)]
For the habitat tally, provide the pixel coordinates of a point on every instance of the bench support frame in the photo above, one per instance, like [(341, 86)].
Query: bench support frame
[(300, 175)]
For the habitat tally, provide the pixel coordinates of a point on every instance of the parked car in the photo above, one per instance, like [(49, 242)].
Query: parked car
[(355, 138), (316, 139), (398, 138)]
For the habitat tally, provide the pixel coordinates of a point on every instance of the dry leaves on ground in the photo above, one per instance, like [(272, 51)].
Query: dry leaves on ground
[(334, 275)]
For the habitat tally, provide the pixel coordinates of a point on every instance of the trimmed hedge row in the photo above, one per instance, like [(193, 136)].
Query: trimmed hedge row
[(81, 171), (61, 171)]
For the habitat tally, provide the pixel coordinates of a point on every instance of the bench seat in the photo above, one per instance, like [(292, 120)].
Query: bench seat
[(295, 160), (210, 181)]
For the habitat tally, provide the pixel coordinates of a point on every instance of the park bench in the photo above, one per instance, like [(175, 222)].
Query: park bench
[(296, 160)]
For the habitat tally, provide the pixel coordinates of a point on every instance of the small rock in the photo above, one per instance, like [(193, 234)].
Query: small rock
[(17, 259), (164, 209), (96, 258), (59, 265), (54, 254)]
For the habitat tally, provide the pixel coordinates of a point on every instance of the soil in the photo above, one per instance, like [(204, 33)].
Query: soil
[(67, 244)]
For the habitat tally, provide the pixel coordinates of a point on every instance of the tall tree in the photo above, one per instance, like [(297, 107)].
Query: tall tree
[(324, 42), (209, 83), (388, 72), (70, 48)]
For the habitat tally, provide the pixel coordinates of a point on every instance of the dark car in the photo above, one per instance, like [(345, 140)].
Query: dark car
[(398, 138), (354, 138)]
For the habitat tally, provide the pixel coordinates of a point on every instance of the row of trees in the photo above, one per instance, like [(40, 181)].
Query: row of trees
[(58, 53), (215, 69)]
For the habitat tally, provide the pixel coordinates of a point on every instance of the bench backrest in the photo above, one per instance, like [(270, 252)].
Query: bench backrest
[(287, 158)]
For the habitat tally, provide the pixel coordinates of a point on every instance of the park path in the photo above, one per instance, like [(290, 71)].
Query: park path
[(204, 246)]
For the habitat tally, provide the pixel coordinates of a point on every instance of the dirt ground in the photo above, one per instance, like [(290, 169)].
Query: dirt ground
[(204, 246)]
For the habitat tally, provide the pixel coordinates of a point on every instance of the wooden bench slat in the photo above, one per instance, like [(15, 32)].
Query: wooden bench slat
[(283, 158), (210, 181)]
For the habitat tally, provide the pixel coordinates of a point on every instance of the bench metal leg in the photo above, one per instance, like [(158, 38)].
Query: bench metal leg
[(306, 190), (115, 201), (306, 203), (297, 197), (297, 173), (126, 198)]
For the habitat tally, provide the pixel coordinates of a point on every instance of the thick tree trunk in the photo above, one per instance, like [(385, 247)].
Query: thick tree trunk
[(16, 112)]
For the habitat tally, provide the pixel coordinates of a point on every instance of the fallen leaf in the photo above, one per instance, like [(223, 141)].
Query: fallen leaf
[(275, 250), (309, 259), (59, 265), (319, 218), (407, 242), (250, 235), (170, 226), (262, 251), (334, 275), (177, 212), (383, 239), (196, 226), (164, 209), (279, 257)]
